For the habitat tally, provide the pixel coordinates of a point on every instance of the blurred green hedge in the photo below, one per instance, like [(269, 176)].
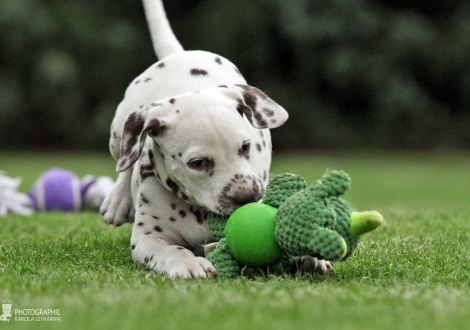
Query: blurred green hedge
[(352, 74)]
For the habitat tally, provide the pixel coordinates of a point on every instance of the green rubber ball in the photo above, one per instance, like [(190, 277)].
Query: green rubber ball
[(250, 235)]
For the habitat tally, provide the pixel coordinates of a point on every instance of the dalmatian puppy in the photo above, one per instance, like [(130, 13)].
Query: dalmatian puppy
[(190, 137)]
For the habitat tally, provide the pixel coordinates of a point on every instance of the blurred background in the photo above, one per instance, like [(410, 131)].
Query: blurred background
[(360, 74)]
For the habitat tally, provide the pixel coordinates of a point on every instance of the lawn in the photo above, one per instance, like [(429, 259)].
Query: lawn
[(412, 273)]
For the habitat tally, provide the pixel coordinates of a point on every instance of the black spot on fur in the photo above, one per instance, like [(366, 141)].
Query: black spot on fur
[(151, 159), (147, 79), (146, 171), (132, 155), (172, 185), (148, 233), (172, 101), (144, 198), (161, 65), (182, 213), (199, 216), (136, 82), (250, 99), (180, 154), (223, 86), (158, 228), (155, 217), (265, 175), (140, 224), (153, 126), (244, 109), (172, 219), (260, 120), (268, 112), (258, 92), (132, 246), (199, 72), (258, 147), (173, 205), (155, 104), (218, 60)]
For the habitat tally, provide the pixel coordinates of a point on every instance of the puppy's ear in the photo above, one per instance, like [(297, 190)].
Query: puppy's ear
[(136, 129), (261, 111)]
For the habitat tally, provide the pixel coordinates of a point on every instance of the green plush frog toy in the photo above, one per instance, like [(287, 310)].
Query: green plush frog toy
[(293, 220)]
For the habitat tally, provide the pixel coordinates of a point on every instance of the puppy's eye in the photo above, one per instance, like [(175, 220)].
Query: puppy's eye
[(246, 146), (245, 149), (200, 164)]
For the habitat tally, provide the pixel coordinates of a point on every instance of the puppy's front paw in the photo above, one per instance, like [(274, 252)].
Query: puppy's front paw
[(193, 267), (117, 207), (116, 210), (312, 265)]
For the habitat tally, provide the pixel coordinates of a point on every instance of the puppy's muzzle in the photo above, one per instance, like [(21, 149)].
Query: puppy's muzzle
[(244, 196), (240, 191)]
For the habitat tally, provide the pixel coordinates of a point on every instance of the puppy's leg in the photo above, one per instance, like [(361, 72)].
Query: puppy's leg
[(117, 208), (162, 257)]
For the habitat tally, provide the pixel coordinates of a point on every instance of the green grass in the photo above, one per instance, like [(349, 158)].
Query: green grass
[(413, 273)]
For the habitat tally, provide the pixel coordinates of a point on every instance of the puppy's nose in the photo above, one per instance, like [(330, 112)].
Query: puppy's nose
[(244, 196)]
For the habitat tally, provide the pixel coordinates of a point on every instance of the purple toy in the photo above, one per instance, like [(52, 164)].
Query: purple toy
[(59, 189)]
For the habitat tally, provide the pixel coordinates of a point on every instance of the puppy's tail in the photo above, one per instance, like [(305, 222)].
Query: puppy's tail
[(163, 39)]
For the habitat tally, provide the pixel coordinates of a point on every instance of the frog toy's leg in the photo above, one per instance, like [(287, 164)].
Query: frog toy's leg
[(223, 261)]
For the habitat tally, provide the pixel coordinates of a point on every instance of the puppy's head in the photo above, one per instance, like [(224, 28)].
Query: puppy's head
[(203, 144)]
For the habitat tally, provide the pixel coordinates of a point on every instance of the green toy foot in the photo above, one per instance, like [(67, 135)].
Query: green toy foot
[(327, 244), (223, 261), (364, 222)]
